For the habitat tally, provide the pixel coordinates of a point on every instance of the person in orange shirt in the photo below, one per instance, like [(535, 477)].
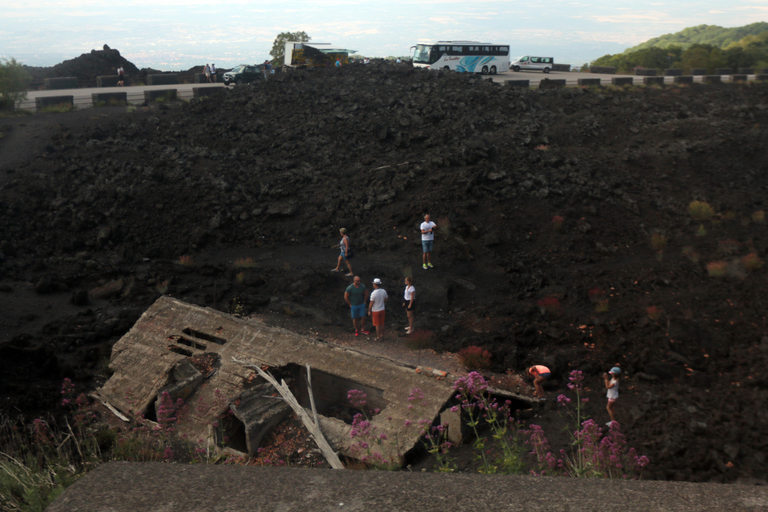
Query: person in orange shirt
[(540, 373)]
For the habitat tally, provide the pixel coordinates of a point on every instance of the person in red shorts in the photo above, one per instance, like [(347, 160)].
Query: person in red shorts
[(377, 306)]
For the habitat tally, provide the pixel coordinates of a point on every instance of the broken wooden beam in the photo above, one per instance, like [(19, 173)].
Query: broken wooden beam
[(314, 428)]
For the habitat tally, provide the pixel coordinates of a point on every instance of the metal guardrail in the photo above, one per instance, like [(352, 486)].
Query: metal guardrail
[(635, 80), (135, 95)]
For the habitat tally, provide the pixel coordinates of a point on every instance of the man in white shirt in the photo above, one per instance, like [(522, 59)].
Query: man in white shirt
[(427, 241), (376, 307)]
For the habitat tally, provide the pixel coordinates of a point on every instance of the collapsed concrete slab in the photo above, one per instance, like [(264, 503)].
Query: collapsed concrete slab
[(180, 355)]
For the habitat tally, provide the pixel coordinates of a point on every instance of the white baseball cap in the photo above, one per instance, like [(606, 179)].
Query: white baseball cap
[(377, 281)]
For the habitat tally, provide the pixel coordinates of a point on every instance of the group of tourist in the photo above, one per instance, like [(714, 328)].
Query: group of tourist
[(541, 373), (210, 73), (356, 294)]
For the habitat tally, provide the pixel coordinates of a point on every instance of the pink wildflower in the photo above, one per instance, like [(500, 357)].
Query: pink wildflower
[(415, 394), (357, 398), (576, 378)]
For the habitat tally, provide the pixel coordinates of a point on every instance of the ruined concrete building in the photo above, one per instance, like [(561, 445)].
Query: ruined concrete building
[(187, 351)]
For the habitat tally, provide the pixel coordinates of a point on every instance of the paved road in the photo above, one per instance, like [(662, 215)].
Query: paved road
[(159, 487)]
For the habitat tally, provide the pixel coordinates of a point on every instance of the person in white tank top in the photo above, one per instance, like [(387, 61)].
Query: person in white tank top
[(611, 380), (409, 303)]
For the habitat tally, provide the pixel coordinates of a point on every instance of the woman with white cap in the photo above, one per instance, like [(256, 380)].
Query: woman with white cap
[(611, 380)]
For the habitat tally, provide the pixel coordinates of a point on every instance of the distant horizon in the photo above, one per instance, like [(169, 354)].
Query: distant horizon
[(174, 35), (221, 65), (52, 59)]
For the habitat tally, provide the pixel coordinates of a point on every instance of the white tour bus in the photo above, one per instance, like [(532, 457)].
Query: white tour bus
[(462, 56)]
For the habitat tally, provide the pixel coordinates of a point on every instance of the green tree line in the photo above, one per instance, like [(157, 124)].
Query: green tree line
[(703, 34), (698, 56), (13, 83)]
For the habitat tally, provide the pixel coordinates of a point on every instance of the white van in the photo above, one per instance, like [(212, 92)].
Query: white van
[(533, 63)]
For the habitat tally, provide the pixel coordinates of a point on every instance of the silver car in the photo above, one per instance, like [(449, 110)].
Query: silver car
[(529, 62)]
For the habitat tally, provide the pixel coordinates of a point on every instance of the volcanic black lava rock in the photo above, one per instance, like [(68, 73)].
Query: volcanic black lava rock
[(546, 202)]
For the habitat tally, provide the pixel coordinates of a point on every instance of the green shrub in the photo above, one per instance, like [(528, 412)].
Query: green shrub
[(654, 312), (61, 107), (700, 210), (658, 241), (14, 81), (717, 268), (691, 253), (186, 260), (247, 262), (752, 261)]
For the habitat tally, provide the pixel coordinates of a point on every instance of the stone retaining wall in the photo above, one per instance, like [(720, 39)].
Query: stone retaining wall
[(160, 95), (109, 99), (162, 79), (62, 82), (54, 102)]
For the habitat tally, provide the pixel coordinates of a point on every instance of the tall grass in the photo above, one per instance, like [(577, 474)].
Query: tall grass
[(39, 460)]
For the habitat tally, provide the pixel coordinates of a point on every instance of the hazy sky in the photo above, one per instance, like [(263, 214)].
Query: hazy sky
[(178, 34)]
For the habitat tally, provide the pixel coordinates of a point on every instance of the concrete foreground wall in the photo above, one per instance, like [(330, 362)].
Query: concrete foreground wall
[(137, 487)]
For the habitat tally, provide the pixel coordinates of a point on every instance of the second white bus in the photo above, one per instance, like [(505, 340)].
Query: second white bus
[(463, 56)]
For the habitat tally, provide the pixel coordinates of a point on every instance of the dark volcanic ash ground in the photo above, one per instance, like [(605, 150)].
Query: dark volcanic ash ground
[(565, 234)]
